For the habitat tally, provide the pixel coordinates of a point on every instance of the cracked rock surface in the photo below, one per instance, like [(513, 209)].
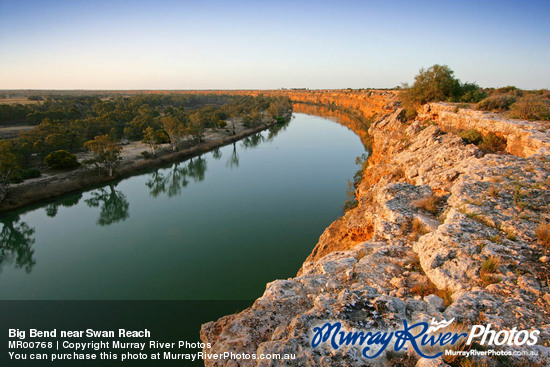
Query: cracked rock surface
[(441, 231)]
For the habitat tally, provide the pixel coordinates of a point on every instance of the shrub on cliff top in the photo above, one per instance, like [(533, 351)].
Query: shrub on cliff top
[(543, 234), (531, 107), (498, 103), (472, 93), (437, 83), (509, 89)]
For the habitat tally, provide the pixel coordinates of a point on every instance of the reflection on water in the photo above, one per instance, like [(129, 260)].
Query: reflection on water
[(171, 181), (114, 206), (252, 141), (274, 130), (358, 124), (16, 240), (233, 161), (17, 237), (177, 234), (217, 153), (72, 200), (196, 168)]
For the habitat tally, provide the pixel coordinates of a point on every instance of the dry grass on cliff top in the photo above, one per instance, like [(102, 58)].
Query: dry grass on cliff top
[(518, 104), (488, 271), (543, 234)]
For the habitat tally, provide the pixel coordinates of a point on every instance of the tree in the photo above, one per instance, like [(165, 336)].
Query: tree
[(196, 127), (233, 111), (437, 83), (279, 106), (106, 152), (8, 165), (145, 118), (174, 128), (152, 138), (472, 93), (252, 119)]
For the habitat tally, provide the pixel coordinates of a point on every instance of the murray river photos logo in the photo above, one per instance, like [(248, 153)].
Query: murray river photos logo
[(418, 336)]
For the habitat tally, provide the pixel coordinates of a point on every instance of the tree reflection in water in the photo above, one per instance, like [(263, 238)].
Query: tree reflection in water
[(252, 141), (51, 209), (233, 161), (114, 205), (16, 240), (274, 130), (217, 153), (172, 181), (196, 169)]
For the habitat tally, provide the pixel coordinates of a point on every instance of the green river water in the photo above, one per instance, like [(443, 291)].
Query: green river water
[(216, 227)]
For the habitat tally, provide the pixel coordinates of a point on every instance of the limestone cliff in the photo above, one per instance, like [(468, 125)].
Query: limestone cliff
[(441, 231)]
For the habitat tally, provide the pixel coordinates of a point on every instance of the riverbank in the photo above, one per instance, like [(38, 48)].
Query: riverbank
[(52, 183), (442, 231)]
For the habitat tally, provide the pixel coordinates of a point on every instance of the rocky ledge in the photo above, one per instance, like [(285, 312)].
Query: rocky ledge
[(441, 231)]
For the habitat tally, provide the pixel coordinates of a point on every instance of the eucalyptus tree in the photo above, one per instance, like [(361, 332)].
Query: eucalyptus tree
[(152, 138), (175, 128), (106, 152), (8, 165), (196, 127)]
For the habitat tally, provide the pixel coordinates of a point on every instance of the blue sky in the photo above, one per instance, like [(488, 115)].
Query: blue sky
[(269, 44)]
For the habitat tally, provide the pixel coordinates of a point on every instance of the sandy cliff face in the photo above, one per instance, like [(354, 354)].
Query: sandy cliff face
[(441, 231)]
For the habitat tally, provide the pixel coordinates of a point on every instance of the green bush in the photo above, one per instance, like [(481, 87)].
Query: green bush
[(492, 143), (30, 173), (471, 136), (436, 83), (489, 143), (472, 93), (61, 159), (531, 107), (16, 177), (497, 102), (22, 175)]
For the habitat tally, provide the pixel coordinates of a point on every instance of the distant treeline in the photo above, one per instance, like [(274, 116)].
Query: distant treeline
[(63, 107)]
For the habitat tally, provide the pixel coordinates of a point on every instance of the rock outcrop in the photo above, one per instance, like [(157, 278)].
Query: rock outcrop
[(441, 231), (524, 138)]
